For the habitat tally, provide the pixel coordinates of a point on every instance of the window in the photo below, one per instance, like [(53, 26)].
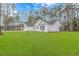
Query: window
[(42, 27)]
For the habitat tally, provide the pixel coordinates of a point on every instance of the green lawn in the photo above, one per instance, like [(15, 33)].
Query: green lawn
[(39, 44)]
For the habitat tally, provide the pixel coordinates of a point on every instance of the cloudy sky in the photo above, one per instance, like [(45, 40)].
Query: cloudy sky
[(32, 6), (27, 6)]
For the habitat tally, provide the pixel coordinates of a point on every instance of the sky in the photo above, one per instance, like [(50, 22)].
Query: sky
[(25, 7), (31, 6)]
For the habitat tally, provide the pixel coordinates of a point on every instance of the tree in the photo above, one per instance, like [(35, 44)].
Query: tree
[(0, 26), (8, 21), (0, 19), (44, 12), (77, 24), (69, 16), (17, 18)]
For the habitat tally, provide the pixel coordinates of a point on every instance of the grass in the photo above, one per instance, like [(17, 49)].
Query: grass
[(39, 44)]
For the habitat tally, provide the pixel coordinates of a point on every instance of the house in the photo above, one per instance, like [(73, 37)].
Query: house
[(43, 26), (28, 26)]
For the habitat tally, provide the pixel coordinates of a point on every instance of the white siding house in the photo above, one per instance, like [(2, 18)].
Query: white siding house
[(44, 26), (48, 27), (54, 27), (41, 26), (28, 28)]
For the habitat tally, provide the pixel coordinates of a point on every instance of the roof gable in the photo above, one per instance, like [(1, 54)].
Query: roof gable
[(45, 22), (40, 22)]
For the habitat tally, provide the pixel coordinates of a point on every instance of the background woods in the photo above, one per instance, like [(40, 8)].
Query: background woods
[(67, 14)]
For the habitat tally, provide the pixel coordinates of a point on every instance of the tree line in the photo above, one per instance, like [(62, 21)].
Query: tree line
[(67, 13)]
